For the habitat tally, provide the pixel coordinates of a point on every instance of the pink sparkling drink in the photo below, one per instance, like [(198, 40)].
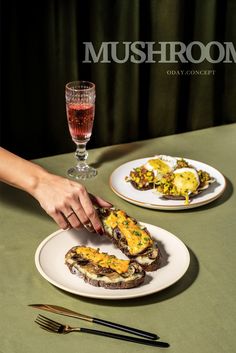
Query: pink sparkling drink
[(80, 120), (80, 110)]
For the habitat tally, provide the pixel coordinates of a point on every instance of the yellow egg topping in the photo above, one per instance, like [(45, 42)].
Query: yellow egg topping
[(137, 239), (103, 260), (160, 166), (186, 182)]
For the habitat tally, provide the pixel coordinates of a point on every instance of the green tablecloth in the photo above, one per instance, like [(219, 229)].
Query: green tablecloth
[(197, 314)]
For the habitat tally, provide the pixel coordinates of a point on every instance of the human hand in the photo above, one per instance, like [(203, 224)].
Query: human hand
[(69, 203)]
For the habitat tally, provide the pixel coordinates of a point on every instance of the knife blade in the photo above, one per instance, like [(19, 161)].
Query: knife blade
[(67, 312), (61, 311)]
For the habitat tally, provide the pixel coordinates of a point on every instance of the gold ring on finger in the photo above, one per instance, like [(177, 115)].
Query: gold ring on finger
[(70, 214)]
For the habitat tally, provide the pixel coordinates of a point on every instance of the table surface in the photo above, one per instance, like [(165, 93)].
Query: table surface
[(197, 314)]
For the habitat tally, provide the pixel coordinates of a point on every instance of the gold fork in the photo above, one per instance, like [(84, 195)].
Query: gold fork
[(56, 327)]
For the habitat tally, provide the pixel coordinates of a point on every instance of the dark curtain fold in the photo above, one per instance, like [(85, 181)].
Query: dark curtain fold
[(42, 49)]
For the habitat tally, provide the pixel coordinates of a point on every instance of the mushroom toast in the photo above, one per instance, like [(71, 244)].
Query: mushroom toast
[(130, 237), (103, 270)]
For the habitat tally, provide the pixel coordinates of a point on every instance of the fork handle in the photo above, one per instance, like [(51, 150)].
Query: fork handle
[(128, 329), (125, 338)]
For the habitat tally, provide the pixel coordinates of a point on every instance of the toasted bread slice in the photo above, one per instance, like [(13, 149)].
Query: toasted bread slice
[(130, 237), (103, 270)]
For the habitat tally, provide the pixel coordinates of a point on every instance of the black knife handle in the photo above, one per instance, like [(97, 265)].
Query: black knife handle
[(128, 329), (126, 338)]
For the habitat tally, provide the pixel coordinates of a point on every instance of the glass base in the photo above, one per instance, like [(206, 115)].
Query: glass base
[(82, 171)]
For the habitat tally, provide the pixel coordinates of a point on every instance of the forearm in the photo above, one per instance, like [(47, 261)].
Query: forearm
[(57, 195), (19, 172)]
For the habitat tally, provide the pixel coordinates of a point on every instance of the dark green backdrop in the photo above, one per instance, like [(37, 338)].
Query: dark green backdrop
[(42, 49)]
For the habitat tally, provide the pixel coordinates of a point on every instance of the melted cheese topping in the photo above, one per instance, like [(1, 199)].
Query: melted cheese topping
[(103, 260), (79, 269), (137, 239)]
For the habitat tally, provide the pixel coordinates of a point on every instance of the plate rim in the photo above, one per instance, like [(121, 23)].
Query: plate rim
[(168, 207), (109, 295)]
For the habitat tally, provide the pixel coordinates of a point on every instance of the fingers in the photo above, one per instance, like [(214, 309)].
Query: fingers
[(65, 217), (60, 219), (90, 217), (81, 211), (70, 205), (99, 201), (73, 221)]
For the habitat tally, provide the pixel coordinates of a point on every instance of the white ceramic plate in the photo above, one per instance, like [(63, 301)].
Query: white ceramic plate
[(50, 254), (151, 199)]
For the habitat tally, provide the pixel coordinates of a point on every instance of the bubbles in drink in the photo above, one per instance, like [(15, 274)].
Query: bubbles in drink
[(80, 120)]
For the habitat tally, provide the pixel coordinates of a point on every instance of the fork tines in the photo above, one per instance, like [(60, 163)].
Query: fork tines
[(48, 324)]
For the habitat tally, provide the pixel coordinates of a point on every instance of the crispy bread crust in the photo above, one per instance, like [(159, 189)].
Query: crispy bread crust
[(117, 285), (178, 197)]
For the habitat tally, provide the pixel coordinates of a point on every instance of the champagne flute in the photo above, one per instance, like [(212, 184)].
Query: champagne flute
[(80, 110)]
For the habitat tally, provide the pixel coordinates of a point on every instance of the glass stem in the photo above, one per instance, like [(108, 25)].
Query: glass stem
[(81, 154)]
